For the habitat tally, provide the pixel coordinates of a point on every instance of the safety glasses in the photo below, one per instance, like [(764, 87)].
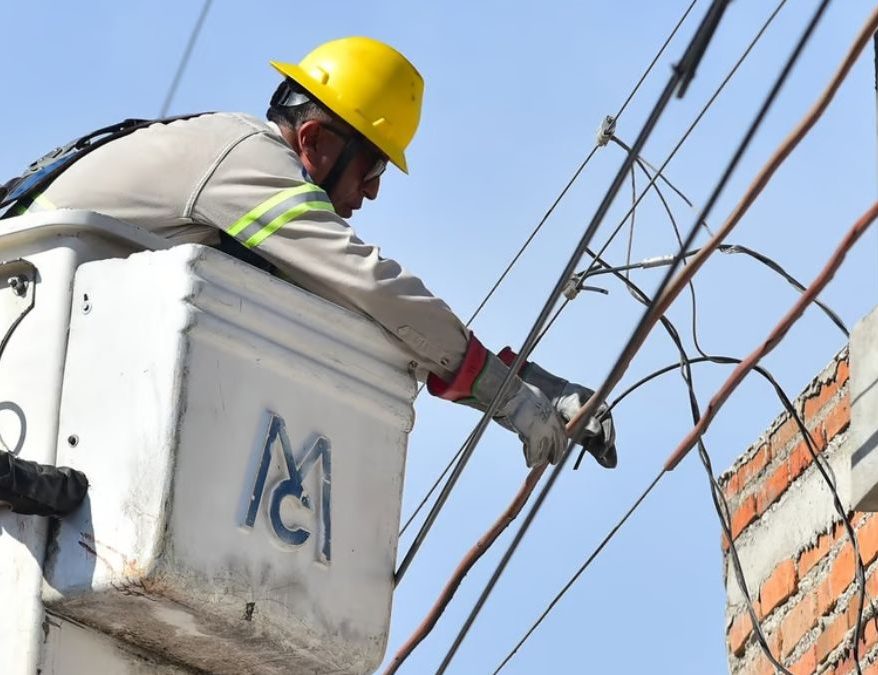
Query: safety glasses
[(378, 162)]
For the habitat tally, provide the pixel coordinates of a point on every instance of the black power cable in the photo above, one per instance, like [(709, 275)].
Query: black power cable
[(184, 61), (658, 172), (680, 74), (818, 460), (533, 234), (641, 330), (723, 248), (717, 496), (582, 166)]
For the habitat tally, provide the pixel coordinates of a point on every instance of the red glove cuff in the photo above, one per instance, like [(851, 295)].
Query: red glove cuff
[(461, 385), (507, 356)]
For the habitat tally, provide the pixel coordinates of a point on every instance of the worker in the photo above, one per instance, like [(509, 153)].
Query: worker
[(277, 194)]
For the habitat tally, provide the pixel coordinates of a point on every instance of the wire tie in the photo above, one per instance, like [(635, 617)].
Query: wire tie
[(606, 130)]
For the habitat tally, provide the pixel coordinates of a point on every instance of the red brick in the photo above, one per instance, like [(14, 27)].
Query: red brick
[(772, 488), (841, 574), (815, 403), (870, 634), (813, 555), (743, 516), (837, 419), (732, 486), (831, 637), (762, 666), (782, 436), (798, 621), (842, 373), (867, 536), (780, 585), (806, 663), (872, 586), (825, 598), (844, 667), (871, 670), (739, 632), (799, 460), (754, 465)]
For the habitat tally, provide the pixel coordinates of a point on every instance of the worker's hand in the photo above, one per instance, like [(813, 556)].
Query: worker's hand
[(597, 434), (533, 417), (523, 408)]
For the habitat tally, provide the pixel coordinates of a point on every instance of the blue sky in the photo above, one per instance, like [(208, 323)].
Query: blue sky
[(514, 93)]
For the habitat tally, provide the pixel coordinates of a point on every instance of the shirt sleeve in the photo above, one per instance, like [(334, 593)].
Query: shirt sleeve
[(260, 194)]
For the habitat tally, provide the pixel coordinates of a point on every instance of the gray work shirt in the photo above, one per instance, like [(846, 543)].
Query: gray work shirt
[(234, 172)]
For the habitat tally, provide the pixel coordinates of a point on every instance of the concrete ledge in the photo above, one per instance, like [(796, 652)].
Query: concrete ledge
[(863, 434)]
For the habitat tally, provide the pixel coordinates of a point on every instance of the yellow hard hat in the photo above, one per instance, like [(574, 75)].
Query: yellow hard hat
[(369, 85)]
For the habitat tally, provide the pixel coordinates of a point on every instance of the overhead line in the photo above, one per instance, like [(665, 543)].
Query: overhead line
[(666, 293), (184, 61), (677, 76)]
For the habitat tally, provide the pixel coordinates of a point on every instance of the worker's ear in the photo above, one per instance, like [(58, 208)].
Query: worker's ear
[(307, 138), (308, 145)]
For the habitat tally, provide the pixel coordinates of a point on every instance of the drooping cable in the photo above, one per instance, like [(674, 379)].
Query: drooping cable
[(752, 44), (724, 248), (184, 60), (680, 74), (633, 211), (699, 116), (787, 404), (795, 283), (672, 285), (582, 166), (718, 498)]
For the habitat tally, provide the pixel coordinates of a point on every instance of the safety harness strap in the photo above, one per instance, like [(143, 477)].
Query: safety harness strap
[(47, 168)]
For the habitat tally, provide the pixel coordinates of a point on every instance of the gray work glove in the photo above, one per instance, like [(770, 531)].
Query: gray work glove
[(523, 408), (597, 434)]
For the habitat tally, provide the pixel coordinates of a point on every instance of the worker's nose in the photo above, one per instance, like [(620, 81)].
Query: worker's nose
[(370, 189)]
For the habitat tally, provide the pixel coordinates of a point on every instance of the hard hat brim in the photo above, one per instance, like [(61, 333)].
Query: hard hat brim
[(350, 115)]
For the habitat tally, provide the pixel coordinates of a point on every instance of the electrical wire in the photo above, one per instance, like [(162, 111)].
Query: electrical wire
[(734, 69), (21, 262), (795, 283), (700, 115), (184, 61), (633, 211), (724, 248), (672, 284), (536, 231), (582, 166), (715, 487), (679, 74)]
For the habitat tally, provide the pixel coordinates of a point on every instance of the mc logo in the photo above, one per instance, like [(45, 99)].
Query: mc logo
[(296, 469)]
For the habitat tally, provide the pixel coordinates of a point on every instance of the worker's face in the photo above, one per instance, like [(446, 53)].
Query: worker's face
[(321, 145)]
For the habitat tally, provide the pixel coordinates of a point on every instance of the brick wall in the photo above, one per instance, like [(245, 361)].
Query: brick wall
[(798, 562)]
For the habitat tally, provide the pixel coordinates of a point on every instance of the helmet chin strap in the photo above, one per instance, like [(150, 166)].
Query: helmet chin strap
[(350, 150)]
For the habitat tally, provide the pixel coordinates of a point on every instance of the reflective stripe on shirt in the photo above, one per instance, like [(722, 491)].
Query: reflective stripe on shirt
[(39, 203), (272, 214)]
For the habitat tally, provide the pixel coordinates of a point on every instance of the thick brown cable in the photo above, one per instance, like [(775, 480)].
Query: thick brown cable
[(677, 284), (476, 552), (783, 326), (657, 310)]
